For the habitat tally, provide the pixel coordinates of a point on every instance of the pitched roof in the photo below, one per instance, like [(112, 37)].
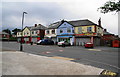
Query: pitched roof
[(74, 23), (4, 33), (82, 22), (107, 33), (54, 25), (38, 27)]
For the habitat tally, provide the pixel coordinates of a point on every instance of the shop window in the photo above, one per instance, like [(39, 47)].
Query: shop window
[(53, 31), (61, 31), (68, 30)]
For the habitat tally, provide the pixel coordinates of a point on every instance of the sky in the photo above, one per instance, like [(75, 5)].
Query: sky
[(46, 12)]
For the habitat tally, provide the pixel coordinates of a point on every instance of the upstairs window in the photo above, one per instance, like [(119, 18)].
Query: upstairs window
[(89, 29), (47, 31), (68, 30), (61, 31), (80, 30), (53, 31), (32, 32), (36, 32)]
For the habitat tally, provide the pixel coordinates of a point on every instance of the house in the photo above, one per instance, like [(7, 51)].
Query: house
[(65, 32), (107, 38), (19, 35), (76, 32), (24, 35), (4, 36), (51, 31), (37, 32), (31, 34), (87, 31)]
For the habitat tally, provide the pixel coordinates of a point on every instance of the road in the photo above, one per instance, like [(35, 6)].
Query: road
[(101, 57)]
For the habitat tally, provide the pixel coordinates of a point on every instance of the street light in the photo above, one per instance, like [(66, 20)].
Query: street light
[(21, 47)]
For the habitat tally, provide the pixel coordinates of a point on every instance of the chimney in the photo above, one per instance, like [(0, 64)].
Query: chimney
[(105, 30), (63, 21), (39, 24), (99, 22), (35, 25)]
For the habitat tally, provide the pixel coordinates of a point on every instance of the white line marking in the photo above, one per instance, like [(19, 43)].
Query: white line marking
[(103, 63)]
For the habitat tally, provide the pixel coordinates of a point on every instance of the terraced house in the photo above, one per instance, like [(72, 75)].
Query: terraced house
[(76, 32), (24, 35), (51, 31), (32, 34), (37, 32)]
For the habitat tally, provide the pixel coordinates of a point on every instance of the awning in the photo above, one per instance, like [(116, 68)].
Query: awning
[(64, 36)]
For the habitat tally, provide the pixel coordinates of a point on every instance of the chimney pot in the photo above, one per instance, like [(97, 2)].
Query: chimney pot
[(105, 30), (35, 25)]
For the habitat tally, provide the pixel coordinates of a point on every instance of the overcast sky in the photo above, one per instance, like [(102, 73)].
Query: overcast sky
[(48, 11)]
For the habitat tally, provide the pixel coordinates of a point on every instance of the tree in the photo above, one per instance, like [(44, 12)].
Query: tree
[(110, 6), (15, 31), (7, 31)]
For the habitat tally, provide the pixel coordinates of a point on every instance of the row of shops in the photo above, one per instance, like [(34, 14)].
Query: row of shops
[(76, 32)]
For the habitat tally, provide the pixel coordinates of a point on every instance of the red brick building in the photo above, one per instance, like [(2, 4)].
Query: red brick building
[(108, 38)]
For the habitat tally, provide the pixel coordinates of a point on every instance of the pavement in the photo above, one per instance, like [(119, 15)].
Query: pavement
[(21, 63)]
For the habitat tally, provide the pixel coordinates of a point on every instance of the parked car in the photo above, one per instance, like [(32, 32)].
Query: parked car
[(45, 42), (38, 43), (63, 43), (89, 45)]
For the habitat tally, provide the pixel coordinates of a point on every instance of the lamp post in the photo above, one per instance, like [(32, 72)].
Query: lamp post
[(21, 47)]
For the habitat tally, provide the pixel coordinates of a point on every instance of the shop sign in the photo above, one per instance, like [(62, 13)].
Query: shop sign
[(86, 34)]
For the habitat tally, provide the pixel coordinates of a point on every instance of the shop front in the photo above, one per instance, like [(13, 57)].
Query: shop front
[(69, 39)]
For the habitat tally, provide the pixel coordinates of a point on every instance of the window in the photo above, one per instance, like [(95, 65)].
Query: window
[(80, 30), (68, 30), (36, 32), (18, 33), (61, 31), (24, 33), (53, 31), (32, 32), (47, 31), (27, 33), (89, 29)]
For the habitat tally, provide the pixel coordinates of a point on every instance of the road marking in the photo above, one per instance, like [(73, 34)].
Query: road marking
[(48, 52), (61, 50), (102, 63), (94, 49), (63, 58), (110, 73)]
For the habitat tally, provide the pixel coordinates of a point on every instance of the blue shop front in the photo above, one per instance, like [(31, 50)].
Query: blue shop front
[(65, 32)]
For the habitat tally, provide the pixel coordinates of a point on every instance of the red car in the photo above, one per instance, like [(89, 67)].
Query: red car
[(89, 45)]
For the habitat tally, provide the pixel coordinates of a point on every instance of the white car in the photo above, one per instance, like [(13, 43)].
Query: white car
[(63, 43), (39, 42)]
